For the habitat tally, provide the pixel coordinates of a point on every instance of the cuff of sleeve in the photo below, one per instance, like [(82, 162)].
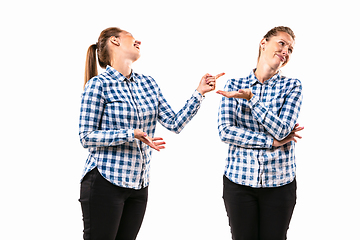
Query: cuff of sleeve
[(130, 135), (269, 142), (198, 95), (253, 101)]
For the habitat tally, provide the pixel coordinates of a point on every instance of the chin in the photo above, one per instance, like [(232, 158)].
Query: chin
[(283, 64), (279, 65), (136, 57)]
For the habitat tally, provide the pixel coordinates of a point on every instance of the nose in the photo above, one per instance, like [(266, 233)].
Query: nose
[(285, 51)]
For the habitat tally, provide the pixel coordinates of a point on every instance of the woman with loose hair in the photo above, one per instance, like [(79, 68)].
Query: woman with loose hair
[(118, 115), (257, 118)]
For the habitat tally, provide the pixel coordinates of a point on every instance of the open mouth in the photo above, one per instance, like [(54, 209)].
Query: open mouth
[(137, 46)]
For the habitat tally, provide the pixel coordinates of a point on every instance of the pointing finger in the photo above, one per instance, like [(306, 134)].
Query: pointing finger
[(219, 75)]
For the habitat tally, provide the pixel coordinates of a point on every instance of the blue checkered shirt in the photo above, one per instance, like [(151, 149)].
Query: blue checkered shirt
[(249, 127), (111, 108)]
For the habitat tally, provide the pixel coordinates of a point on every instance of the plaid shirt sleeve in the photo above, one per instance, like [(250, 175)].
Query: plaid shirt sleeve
[(177, 121), (236, 134), (92, 105), (279, 125)]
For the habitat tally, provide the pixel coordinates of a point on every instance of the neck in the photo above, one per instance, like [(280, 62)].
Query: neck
[(264, 72), (122, 66)]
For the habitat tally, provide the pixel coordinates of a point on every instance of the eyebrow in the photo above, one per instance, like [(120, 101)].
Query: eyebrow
[(291, 47)]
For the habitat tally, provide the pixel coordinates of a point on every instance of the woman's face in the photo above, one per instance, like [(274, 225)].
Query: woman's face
[(277, 51), (129, 47)]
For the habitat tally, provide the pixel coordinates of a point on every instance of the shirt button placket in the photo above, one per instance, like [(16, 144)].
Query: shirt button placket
[(261, 173)]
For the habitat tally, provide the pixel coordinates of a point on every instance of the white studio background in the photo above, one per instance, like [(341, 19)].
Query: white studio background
[(43, 48)]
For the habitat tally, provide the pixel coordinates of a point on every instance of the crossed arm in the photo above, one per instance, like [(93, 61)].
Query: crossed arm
[(264, 116)]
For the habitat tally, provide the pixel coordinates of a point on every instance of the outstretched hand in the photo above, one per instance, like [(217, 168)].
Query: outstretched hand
[(291, 137), (152, 142), (242, 93), (208, 83)]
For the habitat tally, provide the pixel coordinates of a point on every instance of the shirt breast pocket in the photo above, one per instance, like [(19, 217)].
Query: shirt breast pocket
[(149, 106), (243, 114), (119, 114)]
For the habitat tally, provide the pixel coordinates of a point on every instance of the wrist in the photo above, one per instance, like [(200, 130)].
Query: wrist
[(200, 91), (138, 133), (275, 143)]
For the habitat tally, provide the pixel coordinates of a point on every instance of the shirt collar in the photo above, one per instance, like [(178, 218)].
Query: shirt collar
[(253, 79), (118, 76)]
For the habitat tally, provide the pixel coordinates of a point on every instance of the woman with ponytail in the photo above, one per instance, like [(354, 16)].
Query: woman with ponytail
[(118, 116)]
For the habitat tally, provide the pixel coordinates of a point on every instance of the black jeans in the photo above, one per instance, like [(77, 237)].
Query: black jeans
[(259, 213), (110, 212)]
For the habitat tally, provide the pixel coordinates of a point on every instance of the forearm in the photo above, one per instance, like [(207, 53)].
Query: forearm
[(244, 138), (279, 125), (109, 138), (177, 121)]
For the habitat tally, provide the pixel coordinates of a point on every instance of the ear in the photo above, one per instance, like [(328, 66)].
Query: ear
[(262, 44), (114, 40)]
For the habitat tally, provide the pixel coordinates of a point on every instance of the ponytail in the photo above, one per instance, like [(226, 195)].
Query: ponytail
[(102, 53), (90, 64)]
